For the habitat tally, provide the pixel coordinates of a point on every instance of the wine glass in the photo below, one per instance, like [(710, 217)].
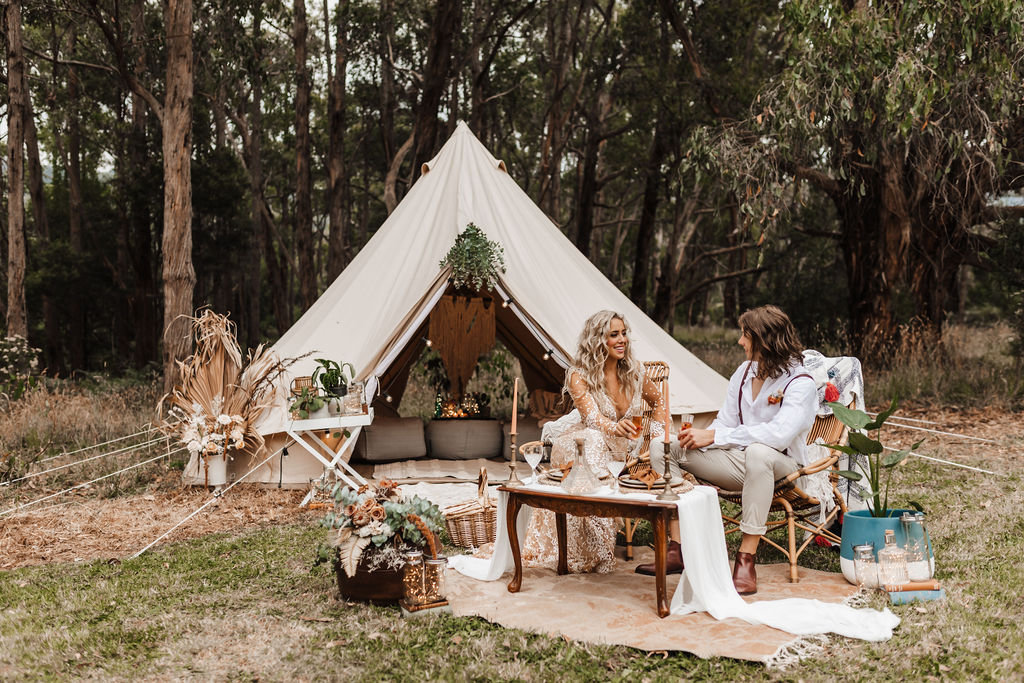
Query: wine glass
[(533, 452), (616, 461)]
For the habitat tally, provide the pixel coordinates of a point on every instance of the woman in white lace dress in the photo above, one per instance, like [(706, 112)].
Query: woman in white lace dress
[(605, 382)]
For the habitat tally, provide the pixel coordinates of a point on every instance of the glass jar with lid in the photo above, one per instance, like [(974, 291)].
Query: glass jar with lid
[(412, 578), (864, 566), (915, 543), (892, 562)]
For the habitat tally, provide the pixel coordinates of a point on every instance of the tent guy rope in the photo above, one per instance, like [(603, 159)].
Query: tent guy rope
[(93, 481), (125, 449), (948, 462), (936, 431), (216, 495), (146, 431)]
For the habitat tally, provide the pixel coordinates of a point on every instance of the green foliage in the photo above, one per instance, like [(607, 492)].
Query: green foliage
[(306, 402), (475, 260), (332, 377), (19, 367), (869, 453)]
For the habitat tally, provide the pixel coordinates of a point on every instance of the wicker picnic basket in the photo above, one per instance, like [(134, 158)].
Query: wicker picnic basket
[(472, 523)]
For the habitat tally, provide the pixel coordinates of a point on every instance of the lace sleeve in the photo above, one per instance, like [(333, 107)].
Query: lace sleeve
[(652, 395), (590, 415)]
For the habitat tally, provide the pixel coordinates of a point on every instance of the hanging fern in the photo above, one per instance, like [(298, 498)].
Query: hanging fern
[(475, 260)]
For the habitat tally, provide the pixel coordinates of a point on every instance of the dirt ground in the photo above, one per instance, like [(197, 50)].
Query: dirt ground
[(82, 527)]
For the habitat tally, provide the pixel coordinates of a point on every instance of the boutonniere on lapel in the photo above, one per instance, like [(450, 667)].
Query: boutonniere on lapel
[(776, 398)]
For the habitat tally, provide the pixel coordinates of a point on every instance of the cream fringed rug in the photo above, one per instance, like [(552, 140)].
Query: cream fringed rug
[(619, 609), (433, 469)]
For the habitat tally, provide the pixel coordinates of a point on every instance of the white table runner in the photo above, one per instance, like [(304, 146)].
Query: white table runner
[(706, 583)]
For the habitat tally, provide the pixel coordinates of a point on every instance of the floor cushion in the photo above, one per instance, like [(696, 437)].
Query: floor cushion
[(463, 439), (391, 438)]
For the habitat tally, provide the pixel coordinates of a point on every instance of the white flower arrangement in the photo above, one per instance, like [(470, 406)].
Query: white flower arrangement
[(211, 435)]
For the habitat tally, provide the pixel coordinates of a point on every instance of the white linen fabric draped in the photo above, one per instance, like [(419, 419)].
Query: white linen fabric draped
[(706, 583)]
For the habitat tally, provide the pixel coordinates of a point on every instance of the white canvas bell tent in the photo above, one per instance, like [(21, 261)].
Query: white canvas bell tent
[(375, 314)]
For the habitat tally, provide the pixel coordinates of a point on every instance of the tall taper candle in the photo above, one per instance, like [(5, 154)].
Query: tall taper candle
[(668, 413), (515, 405)]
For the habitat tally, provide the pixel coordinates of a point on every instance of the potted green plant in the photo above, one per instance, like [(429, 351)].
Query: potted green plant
[(370, 530), (332, 377), (475, 260), (869, 463), (307, 404)]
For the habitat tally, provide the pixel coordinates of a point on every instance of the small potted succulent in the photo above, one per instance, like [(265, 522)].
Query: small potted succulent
[(307, 404)]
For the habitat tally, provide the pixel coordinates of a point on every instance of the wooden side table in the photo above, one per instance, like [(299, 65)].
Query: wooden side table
[(658, 513)]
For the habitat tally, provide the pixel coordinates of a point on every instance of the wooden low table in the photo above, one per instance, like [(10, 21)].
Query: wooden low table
[(657, 512)]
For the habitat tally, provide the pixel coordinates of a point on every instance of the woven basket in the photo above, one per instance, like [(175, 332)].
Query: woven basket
[(300, 383), (473, 523)]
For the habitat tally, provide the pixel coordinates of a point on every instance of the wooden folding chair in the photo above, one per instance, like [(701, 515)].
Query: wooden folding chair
[(657, 372), (801, 510)]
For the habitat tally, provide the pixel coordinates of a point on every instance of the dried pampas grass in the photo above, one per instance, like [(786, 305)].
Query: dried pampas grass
[(214, 383)]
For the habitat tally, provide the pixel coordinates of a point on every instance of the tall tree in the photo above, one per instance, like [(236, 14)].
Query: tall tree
[(179, 276), (17, 320), (303, 229), (444, 27), (897, 112), (337, 178)]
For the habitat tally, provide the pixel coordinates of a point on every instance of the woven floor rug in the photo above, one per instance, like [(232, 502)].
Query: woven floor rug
[(619, 608)]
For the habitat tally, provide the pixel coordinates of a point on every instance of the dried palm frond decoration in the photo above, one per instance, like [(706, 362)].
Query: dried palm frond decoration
[(215, 408)]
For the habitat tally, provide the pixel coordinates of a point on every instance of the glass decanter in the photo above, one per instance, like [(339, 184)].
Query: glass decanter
[(580, 479), (892, 562), (915, 543)]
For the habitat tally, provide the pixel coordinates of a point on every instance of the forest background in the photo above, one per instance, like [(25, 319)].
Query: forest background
[(858, 163)]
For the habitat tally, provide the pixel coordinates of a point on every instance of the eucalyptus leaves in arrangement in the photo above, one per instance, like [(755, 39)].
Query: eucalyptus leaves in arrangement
[(868, 455), (475, 260), (378, 518)]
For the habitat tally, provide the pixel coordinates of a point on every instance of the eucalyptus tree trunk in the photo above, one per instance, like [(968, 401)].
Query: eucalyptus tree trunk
[(388, 102), (76, 314), (51, 329), (303, 177), (144, 290), (648, 213), (17, 321), (338, 201), (444, 27), (179, 276)]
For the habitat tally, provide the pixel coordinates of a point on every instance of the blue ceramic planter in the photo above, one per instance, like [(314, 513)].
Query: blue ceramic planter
[(860, 527)]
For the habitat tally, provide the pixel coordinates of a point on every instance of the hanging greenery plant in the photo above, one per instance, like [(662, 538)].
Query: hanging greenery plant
[(475, 260)]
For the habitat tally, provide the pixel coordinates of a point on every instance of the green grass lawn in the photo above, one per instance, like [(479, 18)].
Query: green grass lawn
[(250, 606)]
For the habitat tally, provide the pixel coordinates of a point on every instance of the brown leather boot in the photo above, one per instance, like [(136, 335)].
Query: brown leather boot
[(743, 575), (673, 562)]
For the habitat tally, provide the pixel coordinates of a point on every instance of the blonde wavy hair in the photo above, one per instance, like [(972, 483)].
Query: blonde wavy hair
[(592, 352)]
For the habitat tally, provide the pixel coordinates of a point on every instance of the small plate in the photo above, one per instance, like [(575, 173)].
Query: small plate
[(631, 483)]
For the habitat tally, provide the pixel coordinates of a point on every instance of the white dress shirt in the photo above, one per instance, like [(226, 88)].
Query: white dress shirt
[(781, 425)]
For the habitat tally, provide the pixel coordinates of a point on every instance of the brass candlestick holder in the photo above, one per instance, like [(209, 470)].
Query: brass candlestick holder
[(667, 493), (513, 478)]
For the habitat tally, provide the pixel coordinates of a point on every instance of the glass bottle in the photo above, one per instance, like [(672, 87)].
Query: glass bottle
[(434, 588), (412, 578), (892, 562), (581, 479), (864, 566), (915, 543)]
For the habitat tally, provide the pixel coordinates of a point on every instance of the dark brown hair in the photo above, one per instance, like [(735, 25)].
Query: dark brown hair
[(773, 338)]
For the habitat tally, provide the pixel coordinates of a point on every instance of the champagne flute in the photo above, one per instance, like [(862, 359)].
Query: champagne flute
[(533, 454), (616, 461)]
